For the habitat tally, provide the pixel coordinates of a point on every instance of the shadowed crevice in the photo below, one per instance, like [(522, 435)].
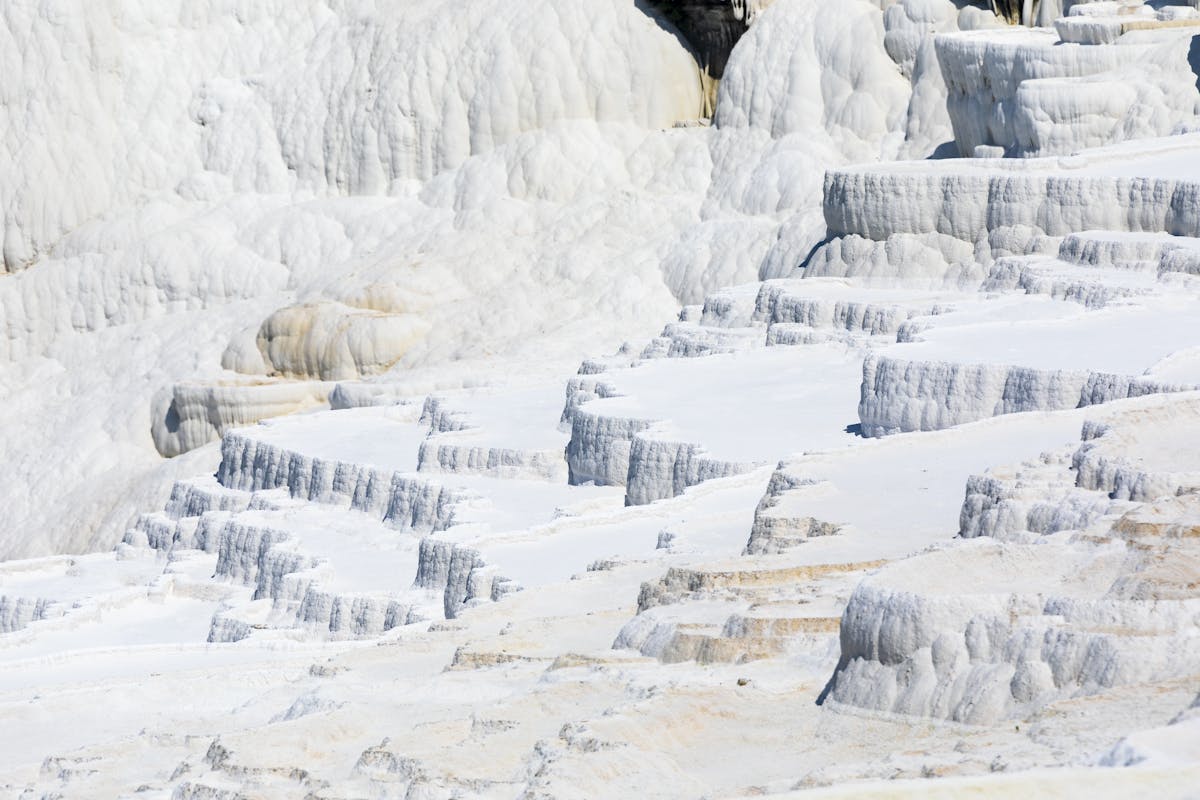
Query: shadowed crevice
[(710, 27)]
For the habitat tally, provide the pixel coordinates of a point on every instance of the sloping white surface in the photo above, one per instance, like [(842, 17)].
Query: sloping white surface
[(449, 204)]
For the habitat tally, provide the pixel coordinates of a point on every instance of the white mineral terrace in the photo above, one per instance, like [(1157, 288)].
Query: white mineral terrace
[(599, 399), (1126, 339), (790, 411)]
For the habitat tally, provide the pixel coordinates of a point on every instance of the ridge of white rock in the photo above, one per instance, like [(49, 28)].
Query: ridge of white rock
[(959, 214), (950, 374)]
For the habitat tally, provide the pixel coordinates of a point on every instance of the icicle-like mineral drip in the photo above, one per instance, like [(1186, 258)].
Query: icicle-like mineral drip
[(747, 10)]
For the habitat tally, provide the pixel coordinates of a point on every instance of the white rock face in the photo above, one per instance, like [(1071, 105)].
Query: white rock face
[(860, 98), (1003, 207), (1073, 599), (317, 214), (331, 102), (190, 416), (475, 435), (1030, 93), (250, 466), (17, 612), (902, 396), (648, 428), (560, 424), (299, 587)]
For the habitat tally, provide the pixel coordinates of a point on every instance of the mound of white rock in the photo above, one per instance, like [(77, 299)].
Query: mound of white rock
[(1063, 605)]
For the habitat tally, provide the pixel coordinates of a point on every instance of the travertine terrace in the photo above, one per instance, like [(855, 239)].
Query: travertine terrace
[(599, 398)]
